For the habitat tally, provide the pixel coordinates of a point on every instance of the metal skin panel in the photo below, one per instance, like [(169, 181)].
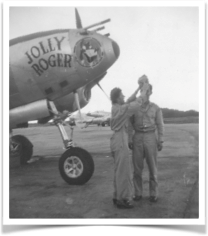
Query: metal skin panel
[(68, 102), (27, 88), (44, 62), (47, 61), (15, 99), (32, 111)]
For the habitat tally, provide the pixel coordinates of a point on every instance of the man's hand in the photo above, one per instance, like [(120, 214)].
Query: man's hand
[(131, 145), (140, 85), (159, 146)]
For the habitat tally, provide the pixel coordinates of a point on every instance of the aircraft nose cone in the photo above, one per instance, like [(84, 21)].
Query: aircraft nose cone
[(116, 49)]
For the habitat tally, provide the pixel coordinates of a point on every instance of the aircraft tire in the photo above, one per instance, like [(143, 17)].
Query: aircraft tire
[(24, 149), (76, 166)]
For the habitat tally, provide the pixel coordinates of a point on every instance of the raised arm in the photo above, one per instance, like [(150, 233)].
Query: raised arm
[(133, 96), (133, 106)]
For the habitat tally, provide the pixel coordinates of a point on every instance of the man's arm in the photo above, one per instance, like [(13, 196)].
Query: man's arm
[(133, 96), (160, 128)]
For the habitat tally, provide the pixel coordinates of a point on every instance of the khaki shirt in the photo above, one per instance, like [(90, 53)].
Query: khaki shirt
[(147, 119), (120, 114)]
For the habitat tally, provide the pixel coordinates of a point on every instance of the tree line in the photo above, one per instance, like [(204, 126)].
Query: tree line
[(170, 113)]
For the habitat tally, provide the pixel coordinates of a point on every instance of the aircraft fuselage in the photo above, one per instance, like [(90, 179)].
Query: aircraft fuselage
[(52, 64)]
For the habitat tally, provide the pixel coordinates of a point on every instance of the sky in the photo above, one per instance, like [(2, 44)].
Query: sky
[(159, 41)]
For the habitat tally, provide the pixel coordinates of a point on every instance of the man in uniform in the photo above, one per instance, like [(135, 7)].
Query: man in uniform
[(120, 114), (147, 125)]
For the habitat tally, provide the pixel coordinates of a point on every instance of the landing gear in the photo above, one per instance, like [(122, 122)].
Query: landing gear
[(76, 165), (21, 150)]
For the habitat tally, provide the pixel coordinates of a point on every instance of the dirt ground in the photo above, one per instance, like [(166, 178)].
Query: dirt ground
[(38, 191)]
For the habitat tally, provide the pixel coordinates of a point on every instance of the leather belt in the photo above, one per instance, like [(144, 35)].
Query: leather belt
[(145, 131)]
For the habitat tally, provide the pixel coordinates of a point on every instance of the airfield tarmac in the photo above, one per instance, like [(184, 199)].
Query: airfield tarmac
[(38, 191)]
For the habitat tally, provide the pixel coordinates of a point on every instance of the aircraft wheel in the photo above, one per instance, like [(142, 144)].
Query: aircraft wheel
[(76, 166), (21, 149)]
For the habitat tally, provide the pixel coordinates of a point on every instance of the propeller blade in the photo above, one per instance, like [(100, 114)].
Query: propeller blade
[(103, 91), (81, 122), (78, 20), (78, 105)]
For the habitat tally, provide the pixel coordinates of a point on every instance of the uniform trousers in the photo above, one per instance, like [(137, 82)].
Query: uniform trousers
[(145, 147), (123, 173)]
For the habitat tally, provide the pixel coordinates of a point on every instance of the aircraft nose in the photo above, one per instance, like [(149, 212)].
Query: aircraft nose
[(116, 49)]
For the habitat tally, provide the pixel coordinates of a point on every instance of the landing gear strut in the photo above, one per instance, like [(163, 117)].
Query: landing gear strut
[(76, 165)]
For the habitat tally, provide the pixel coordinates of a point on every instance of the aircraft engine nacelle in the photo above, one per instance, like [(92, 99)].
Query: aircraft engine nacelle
[(29, 112), (68, 102)]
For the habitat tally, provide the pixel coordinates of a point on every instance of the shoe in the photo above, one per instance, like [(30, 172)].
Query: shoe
[(153, 199), (137, 198), (124, 204)]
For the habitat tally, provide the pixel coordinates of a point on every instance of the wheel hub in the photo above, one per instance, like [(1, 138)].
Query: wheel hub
[(73, 167)]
